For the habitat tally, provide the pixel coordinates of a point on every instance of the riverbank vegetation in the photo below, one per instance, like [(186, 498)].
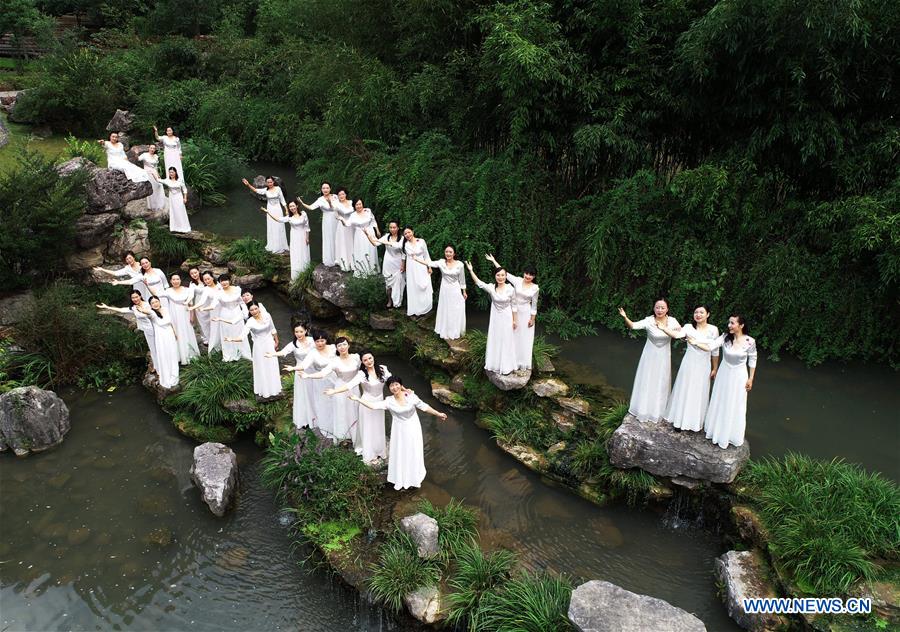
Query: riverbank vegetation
[(744, 158)]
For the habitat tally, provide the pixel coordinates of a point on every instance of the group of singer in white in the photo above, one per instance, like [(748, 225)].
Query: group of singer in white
[(688, 404)]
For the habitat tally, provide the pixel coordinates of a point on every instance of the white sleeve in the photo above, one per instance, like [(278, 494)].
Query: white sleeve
[(715, 344), (356, 381), (534, 300), (288, 348), (281, 196), (418, 403), (260, 191), (642, 323), (715, 352), (752, 354)]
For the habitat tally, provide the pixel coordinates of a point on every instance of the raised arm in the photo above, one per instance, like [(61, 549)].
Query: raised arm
[(491, 258), (356, 381), (628, 322), (474, 276), (247, 184), (431, 411), (305, 205), (120, 310), (373, 405), (319, 374)]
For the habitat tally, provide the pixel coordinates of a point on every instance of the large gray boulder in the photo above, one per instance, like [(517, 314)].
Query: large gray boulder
[(550, 387), (12, 307), (215, 472), (331, 283), (424, 532), (743, 575), (93, 230), (32, 420), (109, 190), (598, 606), (4, 134), (658, 448), (138, 209), (510, 381), (131, 238), (72, 165), (85, 259), (121, 121), (425, 604)]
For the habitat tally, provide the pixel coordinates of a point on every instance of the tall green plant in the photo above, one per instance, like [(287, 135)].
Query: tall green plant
[(477, 574), (400, 571), (528, 602)]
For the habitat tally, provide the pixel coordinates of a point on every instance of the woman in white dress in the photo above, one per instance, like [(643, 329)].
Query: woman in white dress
[(371, 376), (276, 207), (300, 346), (419, 293), (150, 160), (526, 308), (406, 465), (450, 323), (195, 285), (227, 298), (178, 217), (365, 255), (393, 267), (690, 395), (299, 241), (726, 417), (653, 379), (203, 297), (166, 342), (266, 377), (116, 159), (327, 203), (344, 367), (321, 408), (501, 344), (171, 151), (141, 320), (155, 280), (180, 299), (344, 232), (132, 271)]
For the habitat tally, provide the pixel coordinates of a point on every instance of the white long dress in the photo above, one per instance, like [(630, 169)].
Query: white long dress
[(365, 255), (116, 159), (501, 344), (329, 226), (345, 411), (690, 395), (178, 216), (166, 350), (196, 296), (450, 323), (172, 155), (157, 199), (370, 443), (229, 305), (406, 465), (392, 267), (343, 236), (137, 278), (203, 297), (275, 237), (526, 307), (145, 326), (299, 245), (266, 379), (320, 404), (726, 418), (178, 312), (302, 411), (156, 283), (654, 373), (419, 293)]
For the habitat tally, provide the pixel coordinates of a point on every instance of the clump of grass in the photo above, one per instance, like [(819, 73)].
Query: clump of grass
[(207, 384), (331, 536), (252, 253), (22, 368), (829, 521), (476, 575), (457, 526), (590, 460), (477, 343), (526, 603), (83, 148), (367, 291), (542, 352), (400, 571), (522, 424), (299, 284), (168, 249)]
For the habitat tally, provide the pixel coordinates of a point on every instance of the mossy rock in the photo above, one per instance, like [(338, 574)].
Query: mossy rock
[(202, 433)]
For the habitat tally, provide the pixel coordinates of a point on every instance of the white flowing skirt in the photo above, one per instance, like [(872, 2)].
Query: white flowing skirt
[(394, 279), (690, 395), (131, 170), (167, 354), (343, 246), (150, 337), (233, 351), (524, 337), (419, 293), (276, 239), (178, 217), (365, 255), (726, 418), (266, 378), (501, 345), (203, 321), (172, 158), (215, 331), (302, 414), (371, 443), (346, 415), (157, 199), (450, 323), (329, 228), (406, 465), (651, 383), (320, 404), (299, 251), (187, 339)]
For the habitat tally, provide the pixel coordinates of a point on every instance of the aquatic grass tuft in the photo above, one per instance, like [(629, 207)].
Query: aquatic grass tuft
[(477, 573), (207, 384), (523, 424), (367, 291), (299, 284), (167, 249), (457, 526), (476, 340), (528, 602), (830, 521), (400, 571), (542, 352), (252, 253)]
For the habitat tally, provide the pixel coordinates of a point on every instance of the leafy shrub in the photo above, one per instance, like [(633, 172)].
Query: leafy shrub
[(299, 283), (331, 536), (253, 254), (320, 481), (477, 343), (399, 571), (21, 368), (559, 322), (829, 521), (527, 603), (476, 574), (542, 353), (457, 526), (522, 424), (38, 209), (207, 384), (168, 249), (209, 167), (85, 149), (109, 375), (367, 292)]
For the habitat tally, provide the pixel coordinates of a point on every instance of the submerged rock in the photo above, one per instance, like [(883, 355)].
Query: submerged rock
[(249, 281), (598, 606), (550, 387), (424, 532), (215, 471), (657, 448), (445, 395), (744, 576), (425, 604), (331, 283), (382, 322), (509, 382), (32, 420)]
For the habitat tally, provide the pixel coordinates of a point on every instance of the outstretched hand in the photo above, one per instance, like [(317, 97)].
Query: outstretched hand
[(622, 312)]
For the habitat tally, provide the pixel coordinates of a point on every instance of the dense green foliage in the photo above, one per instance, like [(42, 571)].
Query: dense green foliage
[(367, 290), (38, 209), (529, 602), (477, 573), (737, 153), (400, 571), (253, 255), (167, 249), (457, 526), (830, 523), (209, 167)]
